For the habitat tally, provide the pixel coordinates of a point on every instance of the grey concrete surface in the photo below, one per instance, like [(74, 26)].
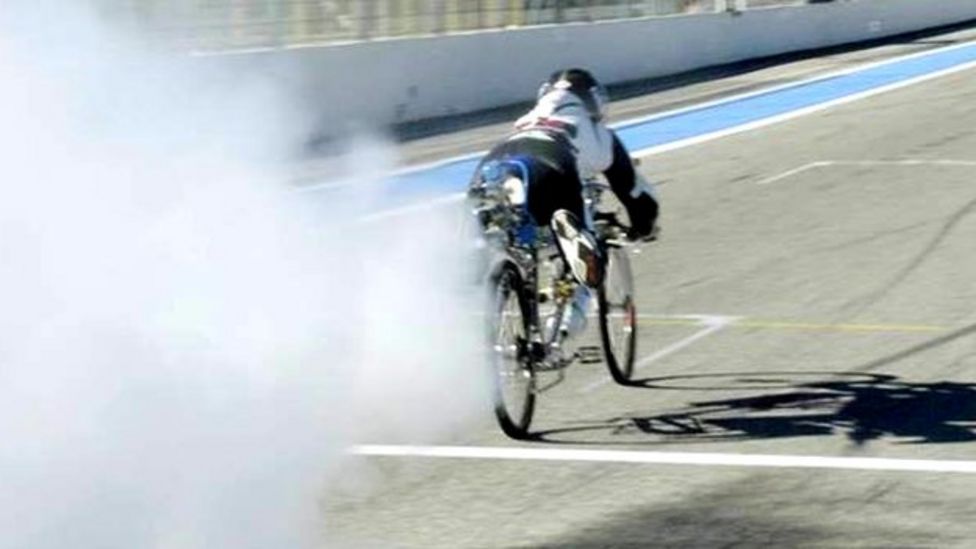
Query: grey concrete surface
[(855, 283)]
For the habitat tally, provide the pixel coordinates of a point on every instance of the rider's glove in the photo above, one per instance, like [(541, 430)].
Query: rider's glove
[(637, 235), (643, 214)]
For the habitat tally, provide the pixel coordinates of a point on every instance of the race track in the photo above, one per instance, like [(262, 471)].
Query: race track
[(812, 302)]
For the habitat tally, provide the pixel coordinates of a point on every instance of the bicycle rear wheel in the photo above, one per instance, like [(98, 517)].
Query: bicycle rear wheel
[(618, 317), (513, 368)]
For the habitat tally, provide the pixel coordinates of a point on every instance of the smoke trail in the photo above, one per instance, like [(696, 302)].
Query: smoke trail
[(184, 343)]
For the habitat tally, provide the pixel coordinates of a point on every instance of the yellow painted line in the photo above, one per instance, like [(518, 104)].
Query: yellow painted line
[(813, 327), (802, 326), (670, 321)]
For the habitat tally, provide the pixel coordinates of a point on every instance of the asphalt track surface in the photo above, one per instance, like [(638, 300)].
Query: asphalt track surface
[(812, 302)]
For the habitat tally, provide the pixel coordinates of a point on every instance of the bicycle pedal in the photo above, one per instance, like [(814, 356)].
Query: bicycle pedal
[(590, 355), (537, 351), (556, 365)]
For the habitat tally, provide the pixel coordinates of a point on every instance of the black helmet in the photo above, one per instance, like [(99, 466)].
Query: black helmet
[(582, 84)]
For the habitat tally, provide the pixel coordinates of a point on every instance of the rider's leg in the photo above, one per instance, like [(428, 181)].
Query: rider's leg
[(562, 190), (556, 185), (552, 190), (574, 320)]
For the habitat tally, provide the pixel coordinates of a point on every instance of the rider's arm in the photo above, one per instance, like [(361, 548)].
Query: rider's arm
[(632, 190)]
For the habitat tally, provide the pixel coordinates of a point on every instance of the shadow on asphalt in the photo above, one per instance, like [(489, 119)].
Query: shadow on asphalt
[(766, 511), (860, 406)]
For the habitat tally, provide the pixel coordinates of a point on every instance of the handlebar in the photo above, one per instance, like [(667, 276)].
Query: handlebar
[(609, 219), (610, 229)]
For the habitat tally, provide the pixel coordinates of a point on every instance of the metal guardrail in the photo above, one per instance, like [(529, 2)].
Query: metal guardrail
[(242, 24)]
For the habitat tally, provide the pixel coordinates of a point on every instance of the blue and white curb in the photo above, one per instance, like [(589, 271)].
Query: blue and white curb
[(442, 181)]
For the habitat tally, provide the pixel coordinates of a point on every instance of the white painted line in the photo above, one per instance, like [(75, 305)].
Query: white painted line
[(788, 85), (331, 185), (906, 162), (699, 106), (721, 101), (757, 124), (440, 163), (669, 458), (338, 184), (795, 171), (699, 139), (415, 207), (711, 323)]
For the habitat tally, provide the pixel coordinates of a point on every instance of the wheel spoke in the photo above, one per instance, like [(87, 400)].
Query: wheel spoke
[(618, 318), (514, 379)]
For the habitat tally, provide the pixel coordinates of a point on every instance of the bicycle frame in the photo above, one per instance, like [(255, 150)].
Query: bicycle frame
[(541, 268), (544, 276)]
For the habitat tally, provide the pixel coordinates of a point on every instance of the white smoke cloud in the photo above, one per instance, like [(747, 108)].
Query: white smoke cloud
[(185, 343)]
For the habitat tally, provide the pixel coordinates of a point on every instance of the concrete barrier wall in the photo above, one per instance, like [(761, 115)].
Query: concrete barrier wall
[(390, 81)]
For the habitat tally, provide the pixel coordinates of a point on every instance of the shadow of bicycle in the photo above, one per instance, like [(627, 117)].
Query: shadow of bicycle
[(860, 406)]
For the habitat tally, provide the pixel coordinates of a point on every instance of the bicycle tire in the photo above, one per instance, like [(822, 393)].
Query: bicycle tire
[(619, 355), (509, 297)]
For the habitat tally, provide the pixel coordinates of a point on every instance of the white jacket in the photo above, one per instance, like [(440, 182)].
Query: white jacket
[(563, 113)]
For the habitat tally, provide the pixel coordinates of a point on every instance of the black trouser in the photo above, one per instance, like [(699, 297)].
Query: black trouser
[(554, 180)]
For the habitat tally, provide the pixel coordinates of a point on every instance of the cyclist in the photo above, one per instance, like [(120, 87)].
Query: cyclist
[(562, 142)]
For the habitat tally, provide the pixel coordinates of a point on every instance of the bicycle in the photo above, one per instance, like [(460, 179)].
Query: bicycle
[(532, 274)]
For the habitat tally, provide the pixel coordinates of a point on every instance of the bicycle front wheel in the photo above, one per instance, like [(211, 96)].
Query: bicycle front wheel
[(618, 317)]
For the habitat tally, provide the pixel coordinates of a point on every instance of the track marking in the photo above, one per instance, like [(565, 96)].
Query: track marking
[(790, 85), (815, 327), (795, 171), (399, 172), (776, 119), (668, 458), (829, 163), (706, 105), (749, 126), (416, 207), (712, 324), (715, 323), (743, 323)]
